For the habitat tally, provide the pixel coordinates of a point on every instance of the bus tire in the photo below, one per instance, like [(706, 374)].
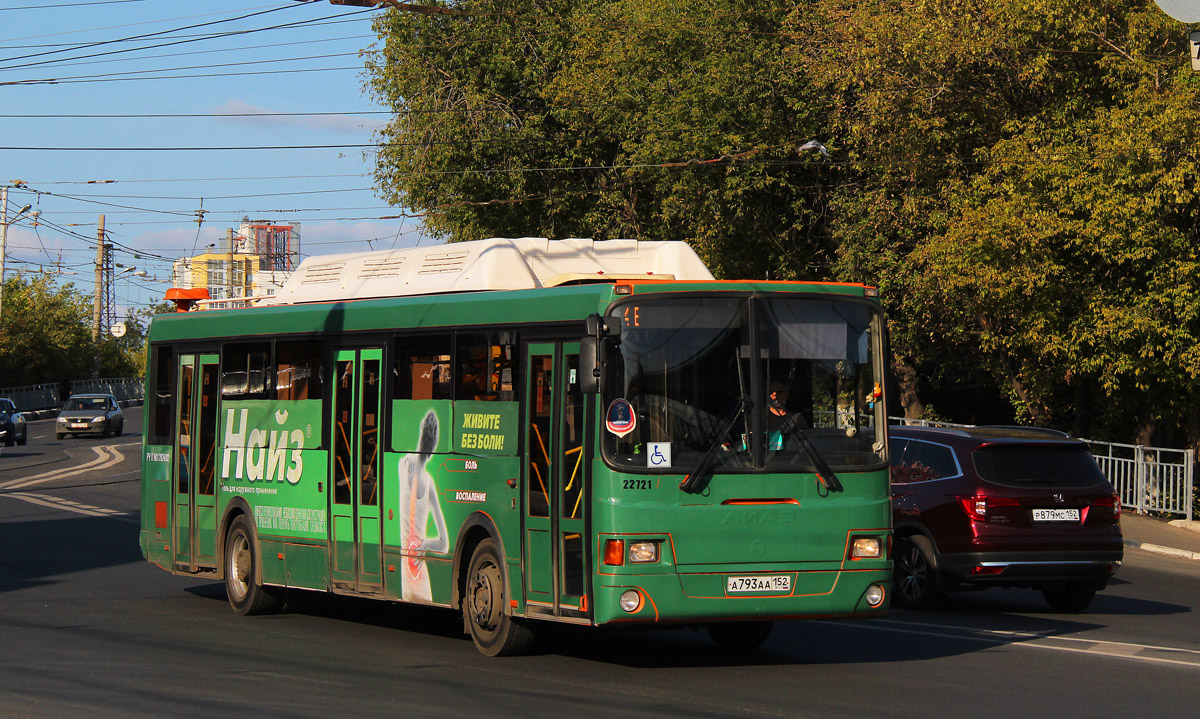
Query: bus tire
[(740, 636), (493, 630), (246, 595)]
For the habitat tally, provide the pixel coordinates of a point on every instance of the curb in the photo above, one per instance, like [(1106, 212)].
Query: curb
[(1160, 549)]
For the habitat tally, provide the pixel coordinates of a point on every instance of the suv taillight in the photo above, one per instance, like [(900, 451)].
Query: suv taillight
[(1113, 501), (979, 506)]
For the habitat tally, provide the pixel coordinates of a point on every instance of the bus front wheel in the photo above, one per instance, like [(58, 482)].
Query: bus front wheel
[(493, 630), (246, 595)]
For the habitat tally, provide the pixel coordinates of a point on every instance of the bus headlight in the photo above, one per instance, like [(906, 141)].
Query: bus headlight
[(874, 595), (866, 548), (631, 601), (643, 552)]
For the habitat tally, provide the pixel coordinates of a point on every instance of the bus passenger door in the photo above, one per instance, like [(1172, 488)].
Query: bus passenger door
[(555, 483), (355, 471), (195, 521)]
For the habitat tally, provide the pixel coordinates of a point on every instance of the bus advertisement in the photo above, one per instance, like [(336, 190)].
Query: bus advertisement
[(528, 431)]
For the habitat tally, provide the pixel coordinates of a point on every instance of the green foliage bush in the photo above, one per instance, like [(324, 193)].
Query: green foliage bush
[(46, 336)]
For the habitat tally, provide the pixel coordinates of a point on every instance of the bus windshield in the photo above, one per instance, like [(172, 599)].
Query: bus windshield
[(689, 369)]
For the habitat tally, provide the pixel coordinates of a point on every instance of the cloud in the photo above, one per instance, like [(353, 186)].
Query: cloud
[(254, 116)]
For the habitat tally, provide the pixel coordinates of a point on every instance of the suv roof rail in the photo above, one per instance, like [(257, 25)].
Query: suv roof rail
[(1034, 430)]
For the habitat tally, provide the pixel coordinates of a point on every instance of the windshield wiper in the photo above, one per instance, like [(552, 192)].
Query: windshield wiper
[(694, 481), (793, 426)]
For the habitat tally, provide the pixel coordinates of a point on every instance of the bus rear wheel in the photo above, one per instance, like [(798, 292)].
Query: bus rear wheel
[(740, 636), (246, 595), (493, 630)]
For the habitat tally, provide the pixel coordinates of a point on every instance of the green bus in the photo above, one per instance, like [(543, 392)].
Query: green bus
[(527, 431)]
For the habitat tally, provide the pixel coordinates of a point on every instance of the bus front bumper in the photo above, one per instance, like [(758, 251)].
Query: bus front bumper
[(690, 598)]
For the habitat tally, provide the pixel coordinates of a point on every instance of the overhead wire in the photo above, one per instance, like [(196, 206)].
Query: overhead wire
[(160, 33), (116, 75), (222, 50), (67, 81), (73, 4), (59, 32)]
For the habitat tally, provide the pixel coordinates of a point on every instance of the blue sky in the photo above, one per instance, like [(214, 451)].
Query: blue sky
[(81, 146)]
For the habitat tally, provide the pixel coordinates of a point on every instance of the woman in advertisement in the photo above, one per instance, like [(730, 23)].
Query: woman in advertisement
[(419, 500)]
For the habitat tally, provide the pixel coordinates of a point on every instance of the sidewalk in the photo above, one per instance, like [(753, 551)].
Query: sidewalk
[(1177, 538)]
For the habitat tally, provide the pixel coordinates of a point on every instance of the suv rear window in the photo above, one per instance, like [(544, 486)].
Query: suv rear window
[(1037, 466)]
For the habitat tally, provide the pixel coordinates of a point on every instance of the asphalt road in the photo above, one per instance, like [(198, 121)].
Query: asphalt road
[(89, 629)]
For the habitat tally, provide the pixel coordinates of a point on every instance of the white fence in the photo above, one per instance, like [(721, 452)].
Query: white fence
[(1148, 479)]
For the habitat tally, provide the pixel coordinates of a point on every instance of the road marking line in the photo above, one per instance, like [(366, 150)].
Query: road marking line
[(55, 503), (107, 457), (1032, 640), (1034, 635)]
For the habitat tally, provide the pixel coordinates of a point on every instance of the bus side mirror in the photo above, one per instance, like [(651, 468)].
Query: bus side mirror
[(592, 353), (590, 366)]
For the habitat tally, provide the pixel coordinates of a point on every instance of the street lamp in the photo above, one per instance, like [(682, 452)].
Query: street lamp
[(4, 223)]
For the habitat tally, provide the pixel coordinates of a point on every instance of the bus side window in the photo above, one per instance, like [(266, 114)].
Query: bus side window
[(298, 369), (244, 370), (162, 403), (422, 369), (484, 365)]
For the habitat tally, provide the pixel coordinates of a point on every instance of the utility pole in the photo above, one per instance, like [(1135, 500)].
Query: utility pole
[(98, 304), (229, 267), (4, 235), (3, 241)]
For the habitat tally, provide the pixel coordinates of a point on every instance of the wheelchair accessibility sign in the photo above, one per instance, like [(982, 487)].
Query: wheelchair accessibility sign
[(658, 454)]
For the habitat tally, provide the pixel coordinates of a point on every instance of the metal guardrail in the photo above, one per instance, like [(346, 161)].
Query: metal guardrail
[(47, 396), (1147, 479)]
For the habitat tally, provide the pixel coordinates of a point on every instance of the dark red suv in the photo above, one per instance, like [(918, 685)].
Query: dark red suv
[(1000, 507)]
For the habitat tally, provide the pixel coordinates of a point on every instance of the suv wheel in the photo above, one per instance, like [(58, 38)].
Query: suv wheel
[(1069, 597), (915, 574)]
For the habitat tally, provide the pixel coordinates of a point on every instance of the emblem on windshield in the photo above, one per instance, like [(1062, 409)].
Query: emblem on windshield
[(619, 419)]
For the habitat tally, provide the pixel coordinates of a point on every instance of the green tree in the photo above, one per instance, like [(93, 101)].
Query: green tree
[(1016, 176), (45, 332), (1021, 180), (651, 119), (46, 336)]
